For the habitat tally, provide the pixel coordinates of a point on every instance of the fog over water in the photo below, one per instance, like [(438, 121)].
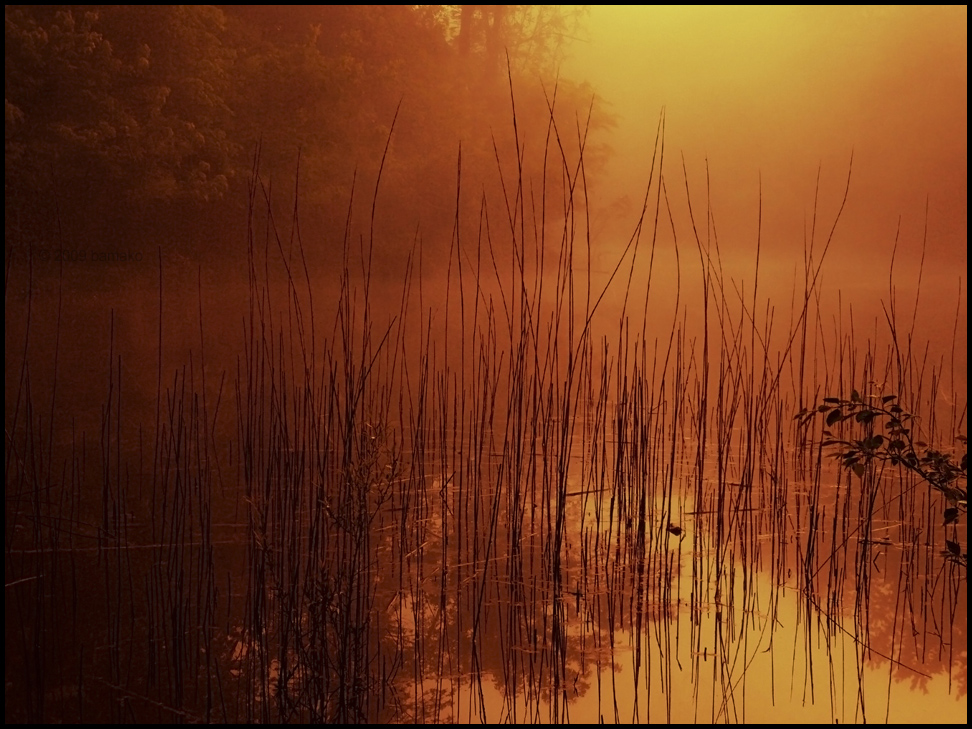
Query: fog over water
[(772, 96), (485, 363)]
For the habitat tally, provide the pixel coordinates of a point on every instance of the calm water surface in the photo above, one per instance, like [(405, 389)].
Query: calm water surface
[(386, 533)]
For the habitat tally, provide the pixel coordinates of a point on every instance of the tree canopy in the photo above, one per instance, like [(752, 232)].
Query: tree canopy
[(163, 108)]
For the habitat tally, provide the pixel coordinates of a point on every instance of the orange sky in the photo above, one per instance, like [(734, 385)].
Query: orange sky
[(781, 91)]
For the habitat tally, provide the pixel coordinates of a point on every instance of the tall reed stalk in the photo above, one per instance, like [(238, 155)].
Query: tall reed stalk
[(476, 503)]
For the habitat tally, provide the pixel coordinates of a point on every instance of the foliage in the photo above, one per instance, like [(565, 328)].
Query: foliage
[(897, 445), (532, 37), (129, 100), (162, 108)]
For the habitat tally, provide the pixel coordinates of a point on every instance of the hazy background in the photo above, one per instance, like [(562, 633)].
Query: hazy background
[(782, 91), (260, 259), (158, 133), (779, 93)]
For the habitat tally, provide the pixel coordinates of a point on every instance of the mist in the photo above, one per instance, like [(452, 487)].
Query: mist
[(772, 104), (485, 363)]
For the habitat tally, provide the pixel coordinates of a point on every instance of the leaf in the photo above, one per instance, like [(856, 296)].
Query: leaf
[(874, 442), (832, 399), (953, 548), (859, 470), (888, 398), (855, 396), (834, 417), (951, 516), (865, 416)]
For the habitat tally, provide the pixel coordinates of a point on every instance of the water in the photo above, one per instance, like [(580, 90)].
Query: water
[(496, 523), (756, 630)]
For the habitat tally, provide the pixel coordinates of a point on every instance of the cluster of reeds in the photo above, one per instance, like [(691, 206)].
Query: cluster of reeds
[(497, 487)]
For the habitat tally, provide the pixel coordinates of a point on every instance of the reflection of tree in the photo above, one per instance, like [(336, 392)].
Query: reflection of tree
[(896, 615), (496, 621)]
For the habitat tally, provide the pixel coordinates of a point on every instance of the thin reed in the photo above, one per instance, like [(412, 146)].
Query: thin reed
[(535, 493)]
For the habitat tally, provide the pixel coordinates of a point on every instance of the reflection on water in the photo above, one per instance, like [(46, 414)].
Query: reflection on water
[(521, 523), (525, 598), (752, 631)]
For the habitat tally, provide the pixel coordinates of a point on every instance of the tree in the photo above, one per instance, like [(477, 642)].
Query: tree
[(162, 107), (535, 37), (897, 446), (126, 99)]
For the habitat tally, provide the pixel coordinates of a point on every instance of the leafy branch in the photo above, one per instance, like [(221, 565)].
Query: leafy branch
[(896, 445)]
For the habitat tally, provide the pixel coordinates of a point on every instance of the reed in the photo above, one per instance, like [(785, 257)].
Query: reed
[(495, 499)]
